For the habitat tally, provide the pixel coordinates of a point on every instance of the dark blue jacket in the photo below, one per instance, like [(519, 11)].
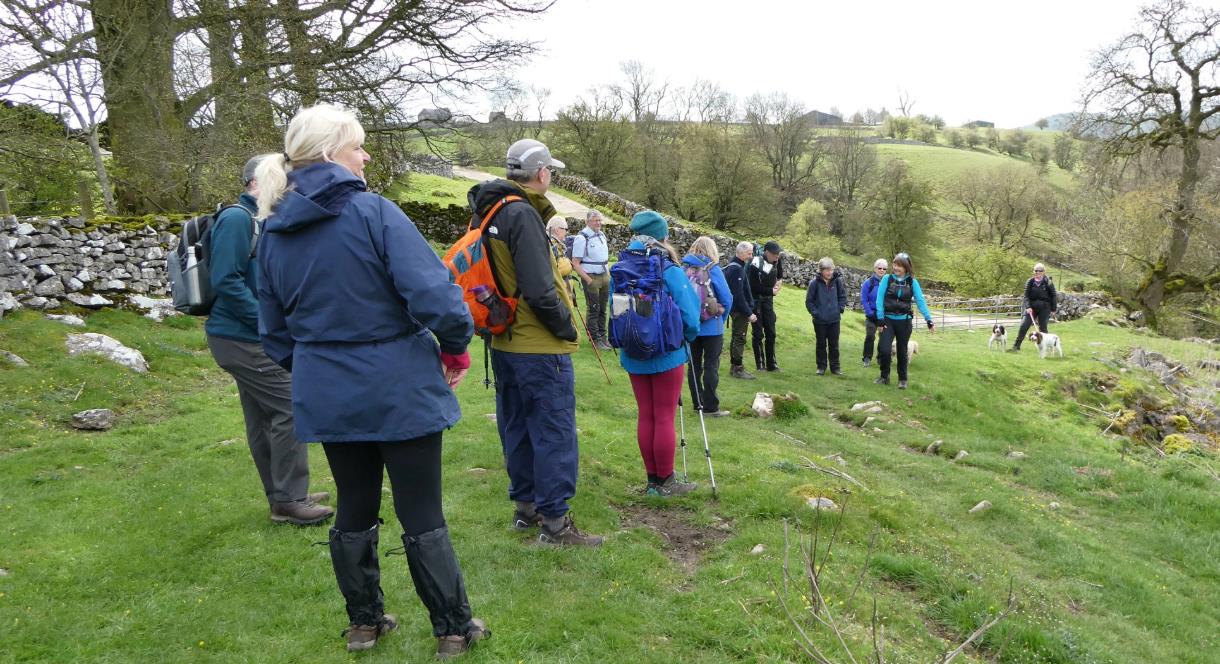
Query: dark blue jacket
[(234, 274), (826, 301), (743, 299), (868, 296), (350, 300)]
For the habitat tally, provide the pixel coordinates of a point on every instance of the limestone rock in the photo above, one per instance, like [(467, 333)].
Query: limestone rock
[(95, 419), (758, 548), (1053, 506), (763, 405), (961, 454), (868, 405), (88, 301), (1015, 454), (934, 447), (50, 288), (112, 349), (823, 503), (983, 506), (67, 319), (154, 308), (13, 359)]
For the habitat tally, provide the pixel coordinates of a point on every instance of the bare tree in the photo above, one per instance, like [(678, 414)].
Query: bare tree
[(850, 162), (706, 101), (76, 84), (1154, 91), (906, 103), (641, 93), (1003, 204), (783, 135)]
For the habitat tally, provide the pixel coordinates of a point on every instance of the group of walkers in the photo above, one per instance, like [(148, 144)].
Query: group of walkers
[(340, 325)]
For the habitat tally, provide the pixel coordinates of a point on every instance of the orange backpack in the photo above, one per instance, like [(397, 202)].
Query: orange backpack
[(469, 261)]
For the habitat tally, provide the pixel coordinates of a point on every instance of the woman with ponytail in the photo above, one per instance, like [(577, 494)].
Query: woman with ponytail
[(362, 312)]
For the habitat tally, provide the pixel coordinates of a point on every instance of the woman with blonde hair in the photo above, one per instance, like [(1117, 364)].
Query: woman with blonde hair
[(359, 308), (702, 265)]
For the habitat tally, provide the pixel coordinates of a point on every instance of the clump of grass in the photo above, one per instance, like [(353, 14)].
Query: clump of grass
[(789, 407)]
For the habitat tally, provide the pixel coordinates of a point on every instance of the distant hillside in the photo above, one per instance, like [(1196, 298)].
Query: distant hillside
[(1057, 122)]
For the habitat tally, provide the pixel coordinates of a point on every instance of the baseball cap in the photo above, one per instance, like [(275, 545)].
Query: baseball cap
[(247, 172), (529, 155)]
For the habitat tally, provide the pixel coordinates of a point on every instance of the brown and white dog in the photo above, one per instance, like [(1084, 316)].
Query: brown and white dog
[(998, 340), (1047, 343)]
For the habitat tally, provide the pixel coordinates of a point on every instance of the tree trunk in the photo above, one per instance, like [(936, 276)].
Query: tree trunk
[(135, 41), (1151, 293), (99, 165), (304, 69)]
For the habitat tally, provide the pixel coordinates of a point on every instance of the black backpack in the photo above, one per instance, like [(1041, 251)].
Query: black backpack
[(190, 280)]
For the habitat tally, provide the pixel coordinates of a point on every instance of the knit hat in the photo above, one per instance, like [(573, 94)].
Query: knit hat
[(650, 223), (772, 247)]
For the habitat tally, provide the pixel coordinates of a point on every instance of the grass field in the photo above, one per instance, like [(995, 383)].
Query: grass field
[(944, 165), (149, 542), (428, 188)]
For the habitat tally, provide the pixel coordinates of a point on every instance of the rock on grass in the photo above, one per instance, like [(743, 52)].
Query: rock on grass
[(95, 419)]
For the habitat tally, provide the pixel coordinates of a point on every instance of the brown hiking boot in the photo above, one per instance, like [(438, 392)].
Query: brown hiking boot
[(318, 497), (567, 535), (526, 521), (448, 647), (363, 637), (300, 513)]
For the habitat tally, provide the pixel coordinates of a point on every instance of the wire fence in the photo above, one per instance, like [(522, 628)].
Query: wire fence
[(974, 313)]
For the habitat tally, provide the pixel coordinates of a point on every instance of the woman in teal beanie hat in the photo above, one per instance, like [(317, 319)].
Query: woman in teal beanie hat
[(657, 382)]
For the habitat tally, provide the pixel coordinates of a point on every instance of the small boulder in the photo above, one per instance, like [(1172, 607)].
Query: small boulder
[(868, 405), (758, 549), (934, 447), (112, 349), (1015, 454), (94, 301), (961, 454), (95, 419), (763, 405), (13, 359), (1053, 506), (983, 506), (822, 503), (67, 319)]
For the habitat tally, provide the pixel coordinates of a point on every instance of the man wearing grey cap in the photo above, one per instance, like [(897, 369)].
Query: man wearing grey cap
[(532, 361), (264, 388)]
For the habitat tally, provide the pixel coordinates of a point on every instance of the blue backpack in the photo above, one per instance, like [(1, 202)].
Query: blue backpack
[(644, 319)]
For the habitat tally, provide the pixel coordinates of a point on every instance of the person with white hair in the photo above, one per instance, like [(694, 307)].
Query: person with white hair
[(590, 258), (825, 300), (868, 298), (356, 304), (557, 232), (742, 312), (1038, 303)]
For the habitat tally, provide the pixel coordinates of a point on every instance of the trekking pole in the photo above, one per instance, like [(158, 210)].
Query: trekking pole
[(707, 450), (589, 336), (682, 438)]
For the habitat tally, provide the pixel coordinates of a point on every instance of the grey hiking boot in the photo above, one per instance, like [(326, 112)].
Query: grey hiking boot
[(671, 487), (300, 513), (868, 362), (740, 372), (902, 385), (448, 647), (363, 637), (523, 520), (567, 535), (882, 381)]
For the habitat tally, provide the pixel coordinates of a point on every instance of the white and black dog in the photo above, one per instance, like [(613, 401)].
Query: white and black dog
[(1047, 343), (999, 338)]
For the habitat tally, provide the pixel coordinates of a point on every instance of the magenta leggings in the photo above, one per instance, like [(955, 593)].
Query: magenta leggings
[(656, 395)]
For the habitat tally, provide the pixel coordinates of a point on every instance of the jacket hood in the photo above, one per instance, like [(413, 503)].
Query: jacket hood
[(483, 195), (694, 260), (318, 192)]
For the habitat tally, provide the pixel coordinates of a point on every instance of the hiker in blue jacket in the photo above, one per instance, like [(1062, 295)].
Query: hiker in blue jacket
[(359, 307), (657, 382), (893, 316), (868, 301), (826, 299), (264, 388), (701, 264)]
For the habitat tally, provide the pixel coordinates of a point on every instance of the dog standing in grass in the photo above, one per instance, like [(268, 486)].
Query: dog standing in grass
[(999, 338), (1047, 343)]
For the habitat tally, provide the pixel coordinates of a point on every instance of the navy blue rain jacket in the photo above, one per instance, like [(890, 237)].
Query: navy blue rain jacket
[(826, 301), (350, 299)]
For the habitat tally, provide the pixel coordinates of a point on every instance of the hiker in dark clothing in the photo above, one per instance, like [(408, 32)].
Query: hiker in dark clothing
[(1038, 303), (826, 299), (535, 381), (741, 314), (765, 274), (868, 301), (895, 295), (359, 307), (264, 388)]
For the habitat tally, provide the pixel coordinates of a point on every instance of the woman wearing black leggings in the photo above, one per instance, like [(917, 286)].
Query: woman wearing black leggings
[(355, 303), (895, 295)]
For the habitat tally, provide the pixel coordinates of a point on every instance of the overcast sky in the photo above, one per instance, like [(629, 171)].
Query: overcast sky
[(1010, 63)]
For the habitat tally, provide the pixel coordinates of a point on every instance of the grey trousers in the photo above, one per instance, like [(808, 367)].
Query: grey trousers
[(597, 295), (266, 402)]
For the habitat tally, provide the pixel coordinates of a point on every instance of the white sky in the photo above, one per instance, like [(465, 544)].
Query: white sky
[(1010, 63)]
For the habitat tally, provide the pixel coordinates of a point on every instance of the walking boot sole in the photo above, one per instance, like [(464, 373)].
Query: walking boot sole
[(279, 518)]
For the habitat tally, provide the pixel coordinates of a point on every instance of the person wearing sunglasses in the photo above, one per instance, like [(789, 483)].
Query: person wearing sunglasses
[(1039, 302), (868, 299), (896, 294)]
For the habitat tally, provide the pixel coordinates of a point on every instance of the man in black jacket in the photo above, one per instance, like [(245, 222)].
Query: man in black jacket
[(765, 275), (1039, 302), (742, 313)]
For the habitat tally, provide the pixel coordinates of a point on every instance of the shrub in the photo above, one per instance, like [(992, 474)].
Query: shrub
[(982, 273), (1176, 443)]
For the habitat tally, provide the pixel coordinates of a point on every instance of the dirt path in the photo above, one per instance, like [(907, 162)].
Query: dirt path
[(566, 206)]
